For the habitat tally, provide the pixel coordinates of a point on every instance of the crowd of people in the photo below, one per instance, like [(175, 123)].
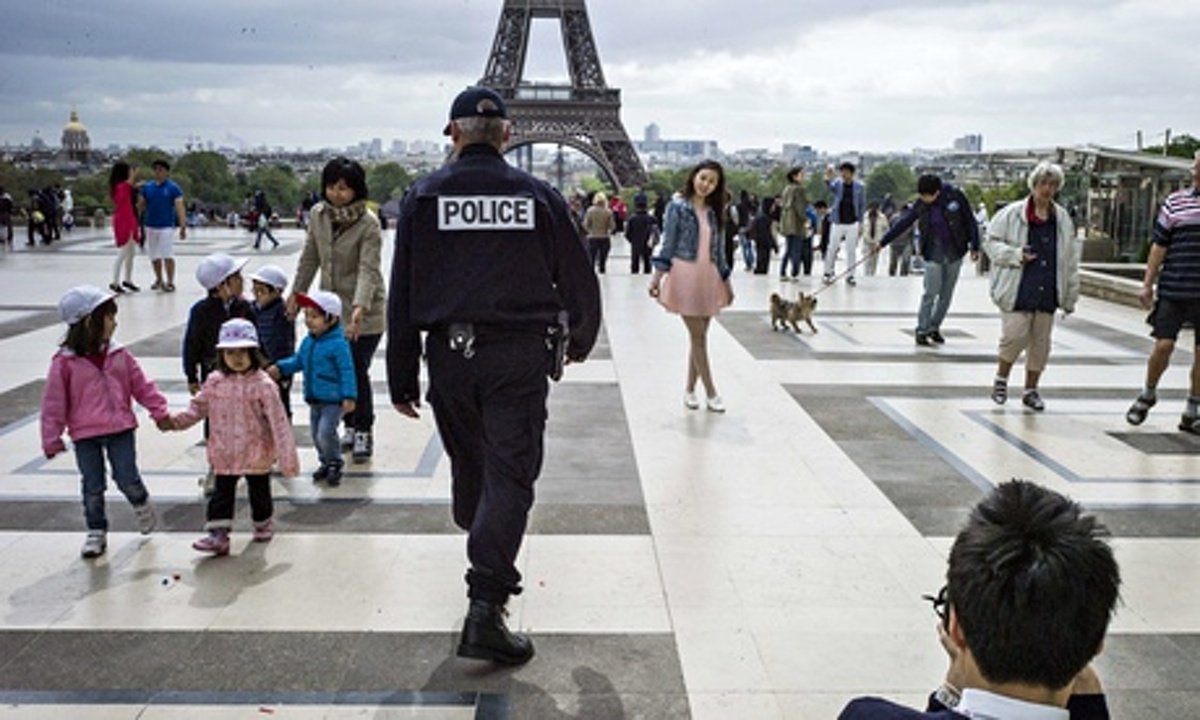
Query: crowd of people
[(536, 307)]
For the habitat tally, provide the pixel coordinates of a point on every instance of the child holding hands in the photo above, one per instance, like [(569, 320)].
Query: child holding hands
[(248, 432), (88, 393), (330, 387)]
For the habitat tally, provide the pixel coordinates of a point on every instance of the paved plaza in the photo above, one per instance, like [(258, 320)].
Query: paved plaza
[(763, 564)]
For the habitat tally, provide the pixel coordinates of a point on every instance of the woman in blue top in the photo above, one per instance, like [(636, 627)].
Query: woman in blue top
[(691, 272)]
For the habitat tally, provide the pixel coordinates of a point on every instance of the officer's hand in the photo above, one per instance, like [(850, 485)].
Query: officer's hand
[(347, 406), (183, 232), (729, 289), (407, 409), (193, 388)]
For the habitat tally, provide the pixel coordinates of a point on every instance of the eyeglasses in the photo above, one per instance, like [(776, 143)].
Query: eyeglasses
[(940, 603)]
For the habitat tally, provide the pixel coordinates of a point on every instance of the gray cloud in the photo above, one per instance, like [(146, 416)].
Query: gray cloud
[(866, 74)]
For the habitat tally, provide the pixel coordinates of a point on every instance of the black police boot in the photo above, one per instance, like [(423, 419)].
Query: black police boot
[(485, 636)]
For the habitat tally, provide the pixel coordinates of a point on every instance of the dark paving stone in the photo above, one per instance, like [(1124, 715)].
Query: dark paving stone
[(39, 317), (167, 343), (599, 706), (337, 516), (13, 643), (21, 402), (301, 661), (79, 660), (1177, 443)]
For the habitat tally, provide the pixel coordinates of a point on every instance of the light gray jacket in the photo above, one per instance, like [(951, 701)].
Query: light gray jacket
[(1008, 233), (349, 266)]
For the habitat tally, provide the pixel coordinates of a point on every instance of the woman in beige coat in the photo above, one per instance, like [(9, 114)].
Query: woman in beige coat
[(344, 242)]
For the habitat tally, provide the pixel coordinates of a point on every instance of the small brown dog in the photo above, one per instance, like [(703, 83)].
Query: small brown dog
[(785, 312)]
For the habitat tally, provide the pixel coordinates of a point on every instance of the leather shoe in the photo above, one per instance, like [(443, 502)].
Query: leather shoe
[(485, 636)]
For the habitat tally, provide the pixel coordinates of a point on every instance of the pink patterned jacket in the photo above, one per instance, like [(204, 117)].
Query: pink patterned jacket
[(248, 429)]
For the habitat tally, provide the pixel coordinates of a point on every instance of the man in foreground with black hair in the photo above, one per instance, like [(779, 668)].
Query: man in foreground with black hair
[(1030, 589)]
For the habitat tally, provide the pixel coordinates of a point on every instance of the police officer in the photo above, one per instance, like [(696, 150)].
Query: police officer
[(488, 263)]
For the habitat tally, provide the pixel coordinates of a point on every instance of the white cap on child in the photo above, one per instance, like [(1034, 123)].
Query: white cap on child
[(327, 302), (80, 301), (271, 275), (215, 268), (237, 333)]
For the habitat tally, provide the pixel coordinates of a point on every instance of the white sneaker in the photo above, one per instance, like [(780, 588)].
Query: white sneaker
[(95, 544), (347, 438), (690, 401), (715, 405), (147, 519)]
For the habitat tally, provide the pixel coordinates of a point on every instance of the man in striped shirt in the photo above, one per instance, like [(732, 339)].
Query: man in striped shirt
[(1174, 262)]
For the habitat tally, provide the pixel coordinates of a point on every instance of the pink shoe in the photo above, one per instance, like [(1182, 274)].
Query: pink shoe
[(216, 543), (264, 531)]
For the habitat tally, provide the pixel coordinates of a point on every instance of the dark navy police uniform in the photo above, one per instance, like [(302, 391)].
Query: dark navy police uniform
[(484, 243)]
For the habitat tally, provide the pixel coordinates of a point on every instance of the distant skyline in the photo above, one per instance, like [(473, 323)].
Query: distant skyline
[(868, 75)]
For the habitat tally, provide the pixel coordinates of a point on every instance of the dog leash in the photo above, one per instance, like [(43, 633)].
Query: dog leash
[(844, 273)]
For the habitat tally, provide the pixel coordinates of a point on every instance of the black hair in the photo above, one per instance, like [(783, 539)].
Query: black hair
[(258, 361), (86, 337), (847, 166), (928, 184), (160, 163), (1033, 585), (791, 174), (820, 204), (341, 168), (715, 199), (120, 173)]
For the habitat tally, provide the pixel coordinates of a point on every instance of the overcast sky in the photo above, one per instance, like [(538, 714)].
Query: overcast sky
[(843, 75)]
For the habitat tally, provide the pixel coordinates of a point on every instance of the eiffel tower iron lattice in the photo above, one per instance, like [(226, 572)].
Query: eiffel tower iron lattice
[(585, 115)]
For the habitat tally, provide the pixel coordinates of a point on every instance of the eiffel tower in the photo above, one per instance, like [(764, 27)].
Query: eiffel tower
[(585, 115)]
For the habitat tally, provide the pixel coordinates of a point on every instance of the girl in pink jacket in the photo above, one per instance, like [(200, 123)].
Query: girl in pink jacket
[(88, 393), (248, 432)]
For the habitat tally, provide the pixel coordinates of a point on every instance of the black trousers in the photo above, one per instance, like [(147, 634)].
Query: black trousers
[(490, 411), (639, 256), (598, 249), (220, 505), (363, 350)]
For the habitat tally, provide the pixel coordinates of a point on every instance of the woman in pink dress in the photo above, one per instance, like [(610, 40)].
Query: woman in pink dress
[(126, 228), (691, 272)]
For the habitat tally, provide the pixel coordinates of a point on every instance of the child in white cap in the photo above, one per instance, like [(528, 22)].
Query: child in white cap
[(248, 433), (330, 388), (221, 277), (88, 392), (276, 330)]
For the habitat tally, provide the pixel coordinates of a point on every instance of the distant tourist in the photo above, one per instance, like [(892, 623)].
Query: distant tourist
[(875, 226), (1035, 272), (642, 233), (162, 203), (263, 209), (127, 232), (793, 220), (7, 207), (599, 224), (846, 214), (948, 232), (901, 248), (1174, 264)]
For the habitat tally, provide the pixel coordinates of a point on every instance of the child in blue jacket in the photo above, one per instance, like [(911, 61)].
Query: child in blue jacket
[(329, 385)]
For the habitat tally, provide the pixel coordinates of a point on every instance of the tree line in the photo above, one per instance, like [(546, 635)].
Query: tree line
[(206, 178)]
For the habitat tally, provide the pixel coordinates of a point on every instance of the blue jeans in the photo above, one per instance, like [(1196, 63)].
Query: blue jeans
[(795, 254), (747, 250), (122, 456), (940, 279), (324, 419)]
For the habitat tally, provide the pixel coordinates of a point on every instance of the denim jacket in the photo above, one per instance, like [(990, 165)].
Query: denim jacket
[(681, 238), (836, 186)]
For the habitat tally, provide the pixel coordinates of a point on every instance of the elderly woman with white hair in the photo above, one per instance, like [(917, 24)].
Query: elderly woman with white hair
[(1035, 272)]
